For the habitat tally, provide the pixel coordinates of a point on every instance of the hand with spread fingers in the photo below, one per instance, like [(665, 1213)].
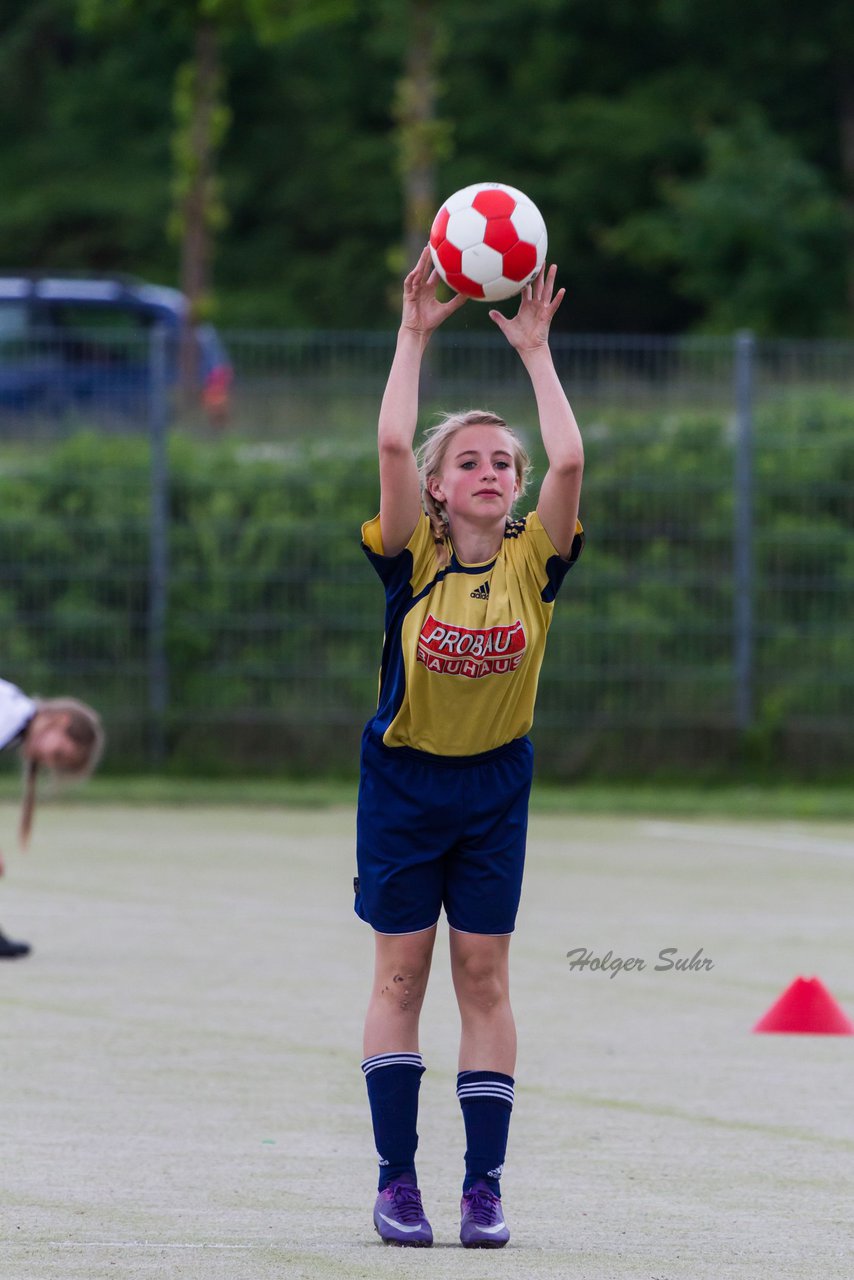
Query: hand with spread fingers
[(422, 310), (529, 328)]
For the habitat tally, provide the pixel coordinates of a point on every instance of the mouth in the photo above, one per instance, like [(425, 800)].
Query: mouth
[(487, 493)]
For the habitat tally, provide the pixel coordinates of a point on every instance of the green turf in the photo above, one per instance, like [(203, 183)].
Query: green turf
[(747, 801)]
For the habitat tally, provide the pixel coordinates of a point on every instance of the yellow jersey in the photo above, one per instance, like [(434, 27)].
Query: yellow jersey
[(464, 644)]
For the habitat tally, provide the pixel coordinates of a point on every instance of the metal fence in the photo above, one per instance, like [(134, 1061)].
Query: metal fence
[(202, 582)]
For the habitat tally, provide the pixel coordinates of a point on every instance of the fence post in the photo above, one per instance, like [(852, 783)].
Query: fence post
[(743, 638), (158, 553)]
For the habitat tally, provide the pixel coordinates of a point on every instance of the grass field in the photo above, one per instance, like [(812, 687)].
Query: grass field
[(182, 1094)]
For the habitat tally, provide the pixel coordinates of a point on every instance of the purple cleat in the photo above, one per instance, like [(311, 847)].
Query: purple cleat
[(482, 1224), (399, 1215)]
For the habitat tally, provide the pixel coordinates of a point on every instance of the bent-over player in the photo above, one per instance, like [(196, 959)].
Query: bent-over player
[(60, 734)]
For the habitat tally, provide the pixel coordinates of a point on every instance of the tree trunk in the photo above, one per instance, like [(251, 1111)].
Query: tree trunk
[(197, 104), (421, 137)]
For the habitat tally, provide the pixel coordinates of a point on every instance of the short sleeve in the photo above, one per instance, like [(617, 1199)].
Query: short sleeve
[(541, 558), (416, 562), (16, 712)]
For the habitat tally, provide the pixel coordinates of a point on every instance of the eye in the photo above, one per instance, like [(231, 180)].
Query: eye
[(468, 466), (502, 465)]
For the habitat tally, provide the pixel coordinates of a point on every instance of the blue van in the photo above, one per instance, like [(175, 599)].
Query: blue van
[(83, 345)]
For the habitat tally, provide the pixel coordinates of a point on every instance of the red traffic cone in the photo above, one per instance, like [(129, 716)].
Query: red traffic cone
[(806, 1008)]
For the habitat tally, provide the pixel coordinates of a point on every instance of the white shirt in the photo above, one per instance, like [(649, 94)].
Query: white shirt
[(16, 711)]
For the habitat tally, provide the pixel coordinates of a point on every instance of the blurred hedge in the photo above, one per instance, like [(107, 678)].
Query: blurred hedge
[(274, 618)]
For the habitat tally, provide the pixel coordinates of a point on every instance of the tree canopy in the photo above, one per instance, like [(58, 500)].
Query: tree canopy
[(695, 164)]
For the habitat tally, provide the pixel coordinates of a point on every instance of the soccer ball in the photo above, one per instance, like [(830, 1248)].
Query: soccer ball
[(488, 241)]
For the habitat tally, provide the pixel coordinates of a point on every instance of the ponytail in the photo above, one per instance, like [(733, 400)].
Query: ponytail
[(28, 805), (83, 728)]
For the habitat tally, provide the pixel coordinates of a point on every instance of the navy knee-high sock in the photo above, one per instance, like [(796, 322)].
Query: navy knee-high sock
[(393, 1081), (486, 1098)]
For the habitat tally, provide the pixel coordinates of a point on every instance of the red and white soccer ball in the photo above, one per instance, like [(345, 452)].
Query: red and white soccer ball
[(488, 241)]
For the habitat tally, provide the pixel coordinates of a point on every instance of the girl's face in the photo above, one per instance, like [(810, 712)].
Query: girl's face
[(478, 476), (48, 744)]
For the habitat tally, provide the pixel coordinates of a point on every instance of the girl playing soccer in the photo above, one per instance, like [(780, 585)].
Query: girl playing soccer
[(61, 734), (446, 763)]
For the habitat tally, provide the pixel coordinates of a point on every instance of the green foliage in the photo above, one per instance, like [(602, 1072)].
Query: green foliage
[(80, 150), (270, 20), (274, 619), (755, 238), (686, 158)]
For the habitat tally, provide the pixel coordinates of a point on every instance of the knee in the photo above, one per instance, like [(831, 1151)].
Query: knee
[(481, 985), (402, 987)]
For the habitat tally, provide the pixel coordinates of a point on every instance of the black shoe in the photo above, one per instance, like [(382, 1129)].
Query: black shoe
[(10, 950)]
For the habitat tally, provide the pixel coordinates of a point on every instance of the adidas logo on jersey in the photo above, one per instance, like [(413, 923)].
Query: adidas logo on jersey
[(481, 592)]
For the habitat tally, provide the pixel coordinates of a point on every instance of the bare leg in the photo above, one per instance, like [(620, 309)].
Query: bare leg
[(481, 972), (402, 967)]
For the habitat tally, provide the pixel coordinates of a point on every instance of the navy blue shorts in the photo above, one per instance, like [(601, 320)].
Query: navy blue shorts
[(434, 831)]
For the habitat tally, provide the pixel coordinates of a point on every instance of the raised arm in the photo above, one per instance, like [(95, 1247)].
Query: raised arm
[(400, 496), (528, 332)]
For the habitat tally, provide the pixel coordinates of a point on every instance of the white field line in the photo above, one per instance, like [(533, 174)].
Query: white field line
[(741, 837)]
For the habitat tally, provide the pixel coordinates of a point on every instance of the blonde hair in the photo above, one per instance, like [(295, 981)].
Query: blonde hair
[(430, 457), (83, 727)]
